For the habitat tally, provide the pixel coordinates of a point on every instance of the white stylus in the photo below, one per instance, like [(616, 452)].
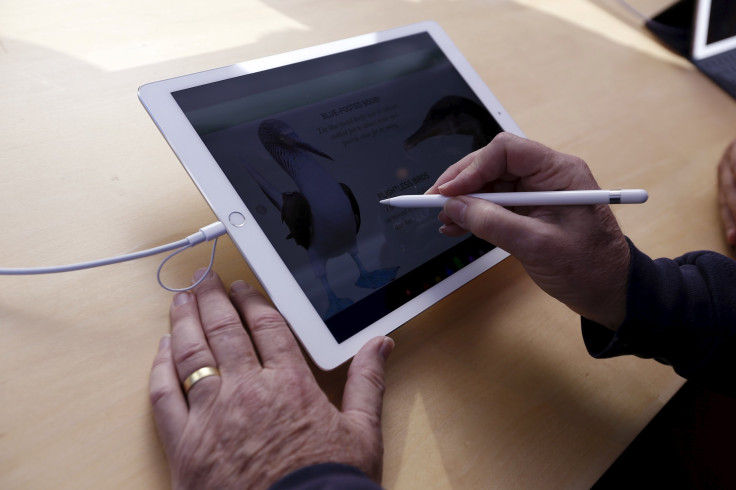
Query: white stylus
[(544, 198)]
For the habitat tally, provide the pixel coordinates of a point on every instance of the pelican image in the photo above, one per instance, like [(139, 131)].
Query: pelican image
[(322, 216), (456, 115)]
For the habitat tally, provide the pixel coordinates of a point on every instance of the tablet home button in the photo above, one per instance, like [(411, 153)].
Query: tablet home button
[(236, 219)]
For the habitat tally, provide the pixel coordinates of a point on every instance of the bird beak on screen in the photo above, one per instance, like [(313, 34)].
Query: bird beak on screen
[(311, 149)]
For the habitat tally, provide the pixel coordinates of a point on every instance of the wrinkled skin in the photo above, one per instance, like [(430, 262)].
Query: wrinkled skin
[(576, 254), (265, 415)]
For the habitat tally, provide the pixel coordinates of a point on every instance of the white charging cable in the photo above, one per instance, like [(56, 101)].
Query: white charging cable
[(205, 234)]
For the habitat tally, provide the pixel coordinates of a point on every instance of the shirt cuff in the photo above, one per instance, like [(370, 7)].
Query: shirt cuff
[(326, 476)]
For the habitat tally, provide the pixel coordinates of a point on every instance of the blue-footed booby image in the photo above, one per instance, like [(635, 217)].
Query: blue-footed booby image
[(322, 216), (454, 114)]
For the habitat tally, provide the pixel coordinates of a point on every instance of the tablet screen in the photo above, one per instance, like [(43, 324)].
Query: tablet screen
[(714, 28), (721, 21), (313, 146)]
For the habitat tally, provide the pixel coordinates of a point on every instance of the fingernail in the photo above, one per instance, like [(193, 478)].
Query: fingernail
[(386, 348), (164, 342), (198, 275), (239, 286), (455, 210), (181, 298)]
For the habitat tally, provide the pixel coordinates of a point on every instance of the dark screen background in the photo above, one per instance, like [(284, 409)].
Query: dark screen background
[(722, 22)]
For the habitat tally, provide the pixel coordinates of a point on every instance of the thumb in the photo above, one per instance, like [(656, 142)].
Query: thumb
[(493, 223), (365, 383)]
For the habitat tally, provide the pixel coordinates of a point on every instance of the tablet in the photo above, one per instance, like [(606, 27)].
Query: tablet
[(294, 152), (714, 28)]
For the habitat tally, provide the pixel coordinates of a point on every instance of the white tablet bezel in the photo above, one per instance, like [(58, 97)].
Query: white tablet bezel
[(700, 48), (248, 237)]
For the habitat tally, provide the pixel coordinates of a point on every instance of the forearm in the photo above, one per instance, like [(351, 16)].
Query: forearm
[(681, 312)]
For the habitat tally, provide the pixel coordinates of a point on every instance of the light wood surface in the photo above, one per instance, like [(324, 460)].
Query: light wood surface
[(492, 388)]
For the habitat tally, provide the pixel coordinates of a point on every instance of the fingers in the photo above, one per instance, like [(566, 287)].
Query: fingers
[(365, 385), (529, 165), (451, 172), (169, 406), (727, 192), (727, 217), (506, 157), (476, 170), (189, 347), (276, 345), (223, 327), (491, 222)]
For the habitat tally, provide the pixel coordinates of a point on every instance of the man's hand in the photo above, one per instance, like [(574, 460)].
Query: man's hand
[(264, 415), (577, 254), (727, 192)]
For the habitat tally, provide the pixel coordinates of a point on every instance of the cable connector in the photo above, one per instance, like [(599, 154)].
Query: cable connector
[(212, 231), (207, 233)]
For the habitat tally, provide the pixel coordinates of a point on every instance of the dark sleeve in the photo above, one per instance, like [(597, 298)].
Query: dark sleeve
[(326, 476), (680, 312)]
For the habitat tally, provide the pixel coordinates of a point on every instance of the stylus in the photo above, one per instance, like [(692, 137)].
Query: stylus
[(544, 198)]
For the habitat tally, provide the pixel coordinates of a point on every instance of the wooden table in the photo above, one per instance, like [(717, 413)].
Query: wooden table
[(492, 388)]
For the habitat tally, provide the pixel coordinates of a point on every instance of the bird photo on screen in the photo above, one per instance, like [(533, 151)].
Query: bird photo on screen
[(322, 216), (452, 115)]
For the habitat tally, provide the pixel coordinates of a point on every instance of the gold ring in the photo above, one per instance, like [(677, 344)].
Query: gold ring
[(199, 374)]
